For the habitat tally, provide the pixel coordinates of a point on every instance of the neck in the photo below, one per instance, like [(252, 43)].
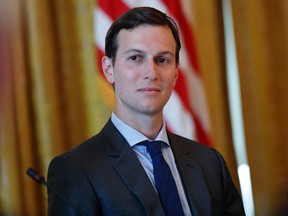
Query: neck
[(148, 125)]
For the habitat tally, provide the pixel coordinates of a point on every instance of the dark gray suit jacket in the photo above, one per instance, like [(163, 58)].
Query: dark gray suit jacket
[(103, 176)]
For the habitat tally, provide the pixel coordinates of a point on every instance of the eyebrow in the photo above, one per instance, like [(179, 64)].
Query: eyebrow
[(140, 51), (133, 50)]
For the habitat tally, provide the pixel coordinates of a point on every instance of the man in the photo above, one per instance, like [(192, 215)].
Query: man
[(114, 172)]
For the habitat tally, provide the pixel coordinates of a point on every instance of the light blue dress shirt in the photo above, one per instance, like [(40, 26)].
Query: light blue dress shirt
[(133, 137)]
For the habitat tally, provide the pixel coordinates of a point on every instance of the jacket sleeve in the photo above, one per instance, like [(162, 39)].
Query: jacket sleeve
[(69, 190), (232, 201)]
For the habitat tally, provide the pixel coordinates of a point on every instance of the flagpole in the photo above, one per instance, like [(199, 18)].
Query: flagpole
[(235, 106)]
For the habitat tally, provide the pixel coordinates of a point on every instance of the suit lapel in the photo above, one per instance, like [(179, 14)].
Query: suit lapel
[(192, 177), (127, 165)]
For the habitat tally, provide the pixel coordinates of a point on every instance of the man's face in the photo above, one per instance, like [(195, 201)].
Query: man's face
[(145, 70)]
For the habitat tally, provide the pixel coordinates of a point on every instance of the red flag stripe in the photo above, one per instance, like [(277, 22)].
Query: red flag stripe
[(176, 11), (182, 90), (201, 133), (113, 8)]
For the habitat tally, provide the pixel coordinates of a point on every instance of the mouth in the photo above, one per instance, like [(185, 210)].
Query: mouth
[(149, 89)]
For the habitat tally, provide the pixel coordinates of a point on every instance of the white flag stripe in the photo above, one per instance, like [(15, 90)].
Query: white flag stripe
[(197, 99), (177, 118), (187, 10), (196, 93), (101, 26)]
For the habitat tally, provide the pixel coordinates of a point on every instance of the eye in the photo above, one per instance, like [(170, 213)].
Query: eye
[(135, 58), (162, 60)]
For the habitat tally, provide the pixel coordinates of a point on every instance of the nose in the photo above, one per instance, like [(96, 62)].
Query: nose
[(150, 70)]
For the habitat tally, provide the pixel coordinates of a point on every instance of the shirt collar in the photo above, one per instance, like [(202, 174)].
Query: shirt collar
[(132, 135)]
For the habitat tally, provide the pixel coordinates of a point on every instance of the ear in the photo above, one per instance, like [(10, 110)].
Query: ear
[(107, 68), (176, 73)]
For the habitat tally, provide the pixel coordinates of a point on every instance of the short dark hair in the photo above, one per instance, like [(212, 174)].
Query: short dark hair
[(135, 17)]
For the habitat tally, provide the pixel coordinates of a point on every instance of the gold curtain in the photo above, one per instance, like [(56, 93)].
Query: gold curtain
[(262, 40), (52, 98), (261, 29)]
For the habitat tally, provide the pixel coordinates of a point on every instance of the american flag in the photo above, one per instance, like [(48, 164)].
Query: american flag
[(186, 112)]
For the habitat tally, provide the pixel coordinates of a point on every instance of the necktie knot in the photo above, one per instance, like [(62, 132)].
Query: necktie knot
[(153, 147)]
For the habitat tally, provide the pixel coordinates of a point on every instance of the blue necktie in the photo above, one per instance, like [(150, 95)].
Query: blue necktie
[(165, 183)]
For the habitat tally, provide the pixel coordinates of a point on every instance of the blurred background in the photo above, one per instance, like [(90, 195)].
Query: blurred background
[(53, 94)]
